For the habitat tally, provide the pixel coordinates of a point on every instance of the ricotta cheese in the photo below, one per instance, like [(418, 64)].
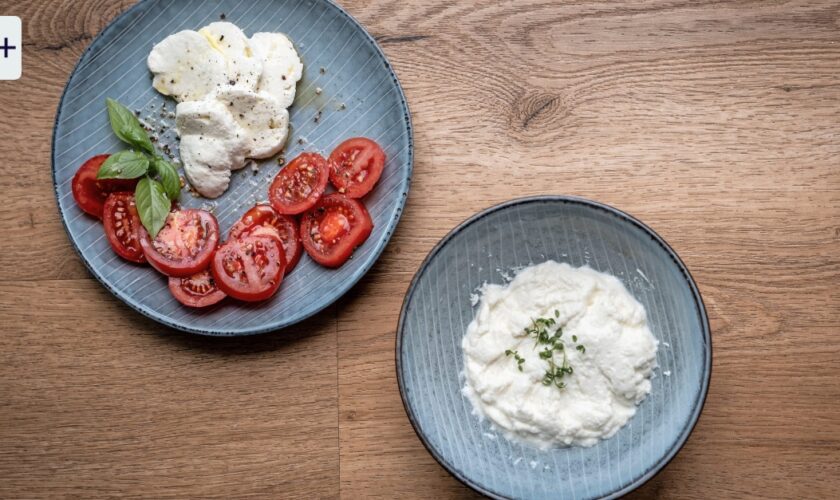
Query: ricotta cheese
[(611, 375)]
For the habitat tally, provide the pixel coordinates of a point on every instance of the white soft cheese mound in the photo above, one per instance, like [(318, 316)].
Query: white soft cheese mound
[(255, 78), (609, 379)]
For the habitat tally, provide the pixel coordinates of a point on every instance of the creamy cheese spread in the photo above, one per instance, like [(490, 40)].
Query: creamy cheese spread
[(608, 348)]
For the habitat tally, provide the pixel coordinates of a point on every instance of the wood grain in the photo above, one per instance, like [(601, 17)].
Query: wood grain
[(717, 123)]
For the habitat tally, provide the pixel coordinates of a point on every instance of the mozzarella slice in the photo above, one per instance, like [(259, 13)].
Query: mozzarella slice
[(243, 66), (212, 144), (282, 67), (186, 66), (265, 121), (233, 95)]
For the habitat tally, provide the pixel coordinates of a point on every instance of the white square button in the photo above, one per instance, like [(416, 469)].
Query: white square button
[(11, 47)]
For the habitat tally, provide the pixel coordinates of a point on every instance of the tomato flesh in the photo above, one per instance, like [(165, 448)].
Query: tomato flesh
[(356, 166), (299, 185), (198, 290), (185, 244), (122, 226), (90, 193), (249, 268), (334, 228), (262, 220)]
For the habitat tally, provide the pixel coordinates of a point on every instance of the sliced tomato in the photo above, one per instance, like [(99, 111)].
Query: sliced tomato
[(334, 228), (198, 290), (249, 268), (299, 185), (185, 244), (355, 166), (264, 220), (122, 226), (90, 193)]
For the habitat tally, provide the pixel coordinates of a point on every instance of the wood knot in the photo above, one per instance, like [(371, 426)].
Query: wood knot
[(536, 113)]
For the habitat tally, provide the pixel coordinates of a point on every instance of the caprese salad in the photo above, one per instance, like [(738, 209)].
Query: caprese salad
[(135, 194), (233, 93)]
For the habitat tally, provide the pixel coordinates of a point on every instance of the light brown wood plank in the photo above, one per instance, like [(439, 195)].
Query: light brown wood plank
[(99, 401)]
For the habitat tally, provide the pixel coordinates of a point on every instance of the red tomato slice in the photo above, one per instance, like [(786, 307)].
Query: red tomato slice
[(250, 268), (355, 166), (334, 228), (298, 186), (263, 220), (122, 226), (185, 244), (90, 194), (198, 290)]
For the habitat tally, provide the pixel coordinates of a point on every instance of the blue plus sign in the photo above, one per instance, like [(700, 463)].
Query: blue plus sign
[(6, 48)]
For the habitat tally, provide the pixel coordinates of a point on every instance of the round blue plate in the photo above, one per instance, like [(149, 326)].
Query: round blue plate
[(437, 310), (359, 96)]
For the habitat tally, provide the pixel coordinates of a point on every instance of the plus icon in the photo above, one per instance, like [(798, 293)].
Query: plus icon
[(11, 67), (6, 48)]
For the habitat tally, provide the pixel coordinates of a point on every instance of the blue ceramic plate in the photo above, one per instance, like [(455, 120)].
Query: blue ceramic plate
[(437, 311), (359, 96)]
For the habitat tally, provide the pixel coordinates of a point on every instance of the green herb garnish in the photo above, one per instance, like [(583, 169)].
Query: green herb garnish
[(519, 359), (549, 335), (160, 184)]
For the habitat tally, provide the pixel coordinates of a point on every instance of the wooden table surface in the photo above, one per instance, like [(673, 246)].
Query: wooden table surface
[(717, 123)]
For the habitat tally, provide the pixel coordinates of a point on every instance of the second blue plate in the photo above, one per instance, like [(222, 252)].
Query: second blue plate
[(487, 248)]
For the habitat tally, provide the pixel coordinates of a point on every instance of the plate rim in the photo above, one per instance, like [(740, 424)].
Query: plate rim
[(700, 309), (390, 227)]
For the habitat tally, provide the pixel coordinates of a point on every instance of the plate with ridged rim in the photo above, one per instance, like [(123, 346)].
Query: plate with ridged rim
[(348, 89), (488, 248)]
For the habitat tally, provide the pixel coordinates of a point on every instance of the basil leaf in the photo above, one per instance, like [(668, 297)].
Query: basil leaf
[(169, 177), (152, 205), (124, 165), (127, 127)]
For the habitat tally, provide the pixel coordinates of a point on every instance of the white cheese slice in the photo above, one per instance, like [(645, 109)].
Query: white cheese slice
[(186, 66), (212, 144), (265, 121), (282, 67), (243, 66)]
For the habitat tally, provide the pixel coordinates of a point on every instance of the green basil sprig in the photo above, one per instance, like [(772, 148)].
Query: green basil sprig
[(160, 184)]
